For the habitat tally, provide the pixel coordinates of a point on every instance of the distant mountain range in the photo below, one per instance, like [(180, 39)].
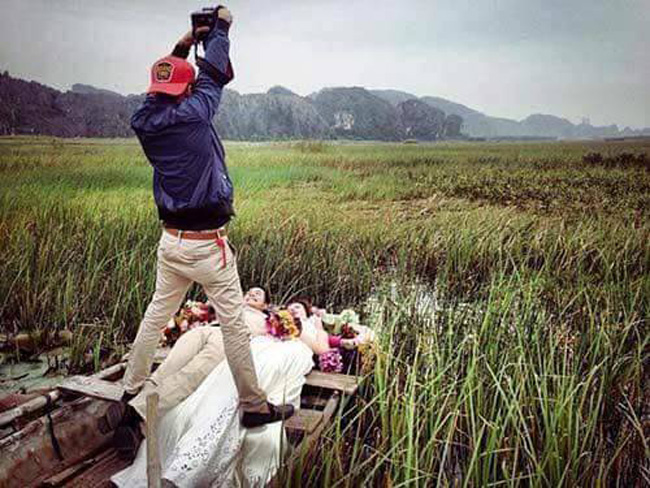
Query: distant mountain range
[(345, 112), (477, 124)]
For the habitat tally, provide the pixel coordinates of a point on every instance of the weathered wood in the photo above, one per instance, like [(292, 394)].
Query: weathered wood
[(74, 470), (324, 394), (309, 442), (99, 474), (154, 470), (40, 402), (29, 456), (334, 381), (26, 408), (317, 402), (310, 439), (330, 408), (304, 421), (93, 387)]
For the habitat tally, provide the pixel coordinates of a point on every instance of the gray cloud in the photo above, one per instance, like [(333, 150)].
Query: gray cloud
[(504, 57)]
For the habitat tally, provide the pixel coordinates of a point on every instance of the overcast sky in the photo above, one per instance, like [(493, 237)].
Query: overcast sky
[(506, 58)]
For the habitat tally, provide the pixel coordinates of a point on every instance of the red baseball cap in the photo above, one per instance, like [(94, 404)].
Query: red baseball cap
[(171, 75)]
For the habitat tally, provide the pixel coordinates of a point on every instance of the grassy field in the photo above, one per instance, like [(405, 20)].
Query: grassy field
[(530, 368)]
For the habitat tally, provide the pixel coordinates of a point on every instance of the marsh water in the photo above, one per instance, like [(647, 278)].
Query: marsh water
[(43, 371)]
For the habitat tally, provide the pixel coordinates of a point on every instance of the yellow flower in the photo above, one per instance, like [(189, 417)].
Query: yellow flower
[(288, 324)]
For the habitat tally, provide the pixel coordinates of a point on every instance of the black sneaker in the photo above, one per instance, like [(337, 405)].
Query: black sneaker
[(276, 413)]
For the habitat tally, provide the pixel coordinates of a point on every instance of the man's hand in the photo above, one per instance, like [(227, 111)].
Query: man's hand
[(224, 14), (188, 39)]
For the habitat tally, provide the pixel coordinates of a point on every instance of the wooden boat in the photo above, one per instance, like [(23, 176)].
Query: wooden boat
[(54, 439)]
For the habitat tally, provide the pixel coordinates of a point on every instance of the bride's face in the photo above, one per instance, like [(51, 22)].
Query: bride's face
[(297, 310), (255, 296)]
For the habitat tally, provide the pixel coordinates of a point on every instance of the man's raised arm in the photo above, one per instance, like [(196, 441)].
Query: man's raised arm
[(215, 70)]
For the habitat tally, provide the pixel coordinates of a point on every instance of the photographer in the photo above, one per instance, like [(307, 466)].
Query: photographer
[(194, 196)]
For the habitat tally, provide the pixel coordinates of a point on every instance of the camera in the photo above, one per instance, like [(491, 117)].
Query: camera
[(206, 17)]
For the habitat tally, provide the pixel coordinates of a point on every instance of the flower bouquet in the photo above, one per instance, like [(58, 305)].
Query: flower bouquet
[(191, 315), (335, 323), (356, 351), (281, 325)]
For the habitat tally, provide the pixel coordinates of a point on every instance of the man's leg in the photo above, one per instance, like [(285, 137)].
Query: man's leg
[(222, 286), (171, 288), (187, 346), (188, 364)]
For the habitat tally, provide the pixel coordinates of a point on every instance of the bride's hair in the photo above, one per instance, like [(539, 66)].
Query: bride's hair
[(305, 302)]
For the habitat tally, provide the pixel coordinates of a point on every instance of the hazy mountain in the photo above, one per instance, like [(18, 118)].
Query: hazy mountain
[(451, 107), (91, 90), (475, 123), (85, 111), (32, 108), (394, 97), (478, 124), (547, 125), (344, 112), (280, 90), (420, 120), (355, 113), (277, 114)]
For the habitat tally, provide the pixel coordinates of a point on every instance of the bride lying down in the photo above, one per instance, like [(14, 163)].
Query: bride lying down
[(201, 440)]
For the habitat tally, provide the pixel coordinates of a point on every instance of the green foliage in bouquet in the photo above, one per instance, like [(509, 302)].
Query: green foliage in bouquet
[(334, 323)]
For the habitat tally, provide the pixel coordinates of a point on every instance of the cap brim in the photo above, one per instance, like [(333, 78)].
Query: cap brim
[(173, 89)]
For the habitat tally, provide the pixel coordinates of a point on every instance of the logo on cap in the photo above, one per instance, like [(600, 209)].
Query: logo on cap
[(163, 72)]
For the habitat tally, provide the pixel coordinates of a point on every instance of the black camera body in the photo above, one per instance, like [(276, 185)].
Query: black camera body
[(209, 17), (206, 17)]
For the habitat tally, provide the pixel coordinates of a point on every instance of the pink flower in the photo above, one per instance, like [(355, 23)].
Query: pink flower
[(331, 361)]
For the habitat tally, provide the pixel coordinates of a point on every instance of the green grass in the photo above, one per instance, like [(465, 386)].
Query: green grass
[(533, 369)]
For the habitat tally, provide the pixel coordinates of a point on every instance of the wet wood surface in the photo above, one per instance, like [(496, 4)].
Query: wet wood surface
[(90, 461), (93, 387)]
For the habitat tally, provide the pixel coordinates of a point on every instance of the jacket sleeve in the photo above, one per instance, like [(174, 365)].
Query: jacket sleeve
[(139, 117), (206, 95)]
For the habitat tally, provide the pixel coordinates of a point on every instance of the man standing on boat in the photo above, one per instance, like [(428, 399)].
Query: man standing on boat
[(194, 196)]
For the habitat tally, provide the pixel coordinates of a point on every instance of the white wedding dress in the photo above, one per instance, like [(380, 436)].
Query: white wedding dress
[(202, 442)]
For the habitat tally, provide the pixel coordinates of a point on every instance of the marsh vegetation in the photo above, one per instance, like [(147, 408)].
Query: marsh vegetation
[(533, 368)]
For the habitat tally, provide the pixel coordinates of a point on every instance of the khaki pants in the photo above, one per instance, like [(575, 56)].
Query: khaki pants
[(189, 362), (180, 262)]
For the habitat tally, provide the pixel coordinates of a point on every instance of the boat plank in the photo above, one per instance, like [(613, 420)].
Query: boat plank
[(99, 475), (304, 421), (310, 440), (75, 470), (42, 401), (313, 401), (334, 381), (93, 387), (29, 456)]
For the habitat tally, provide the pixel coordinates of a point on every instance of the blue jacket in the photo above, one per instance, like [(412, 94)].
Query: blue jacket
[(191, 184)]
